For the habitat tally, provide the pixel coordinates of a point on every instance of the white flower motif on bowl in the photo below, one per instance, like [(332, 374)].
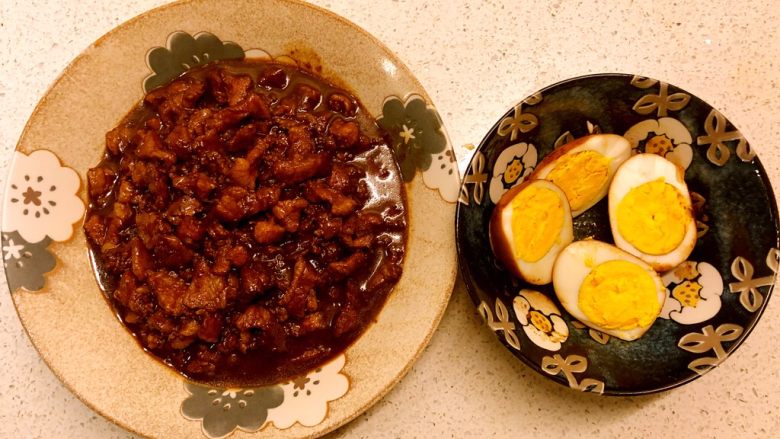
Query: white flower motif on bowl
[(511, 167), (541, 319), (693, 293), (666, 137)]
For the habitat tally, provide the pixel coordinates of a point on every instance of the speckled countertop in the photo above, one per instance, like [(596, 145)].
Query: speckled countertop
[(475, 59)]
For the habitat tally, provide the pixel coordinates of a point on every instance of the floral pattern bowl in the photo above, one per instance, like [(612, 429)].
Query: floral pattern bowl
[(45, 252), (713, 299)]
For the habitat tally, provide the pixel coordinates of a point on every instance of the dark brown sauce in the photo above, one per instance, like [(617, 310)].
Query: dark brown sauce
[(169, 324)]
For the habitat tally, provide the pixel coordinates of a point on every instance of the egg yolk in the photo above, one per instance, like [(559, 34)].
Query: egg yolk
[(653, 217), (581, 175), (537, 219), (619, 295)]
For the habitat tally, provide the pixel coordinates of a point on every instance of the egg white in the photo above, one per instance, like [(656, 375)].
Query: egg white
[(638, 170), (573, 265), (612, 146), (538, 272)]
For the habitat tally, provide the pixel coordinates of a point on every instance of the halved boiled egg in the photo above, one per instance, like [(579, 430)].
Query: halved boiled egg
[(529, 226), (584, 168), (608, 289), (650, 211)]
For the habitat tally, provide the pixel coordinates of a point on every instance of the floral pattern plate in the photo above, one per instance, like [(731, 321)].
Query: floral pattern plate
[(45, 253), (713, 300)]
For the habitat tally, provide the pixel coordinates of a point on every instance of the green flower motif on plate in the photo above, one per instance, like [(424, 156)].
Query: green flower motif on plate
[(416, 131), (26, 264), (184, 52), (224, 410)]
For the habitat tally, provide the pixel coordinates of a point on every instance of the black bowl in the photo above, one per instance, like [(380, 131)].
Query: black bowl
[(735, 260)]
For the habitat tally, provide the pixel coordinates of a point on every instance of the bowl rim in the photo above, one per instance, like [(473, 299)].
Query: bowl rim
[(465, 271)]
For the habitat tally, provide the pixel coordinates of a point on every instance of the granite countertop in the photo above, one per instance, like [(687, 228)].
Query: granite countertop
[(475, 59)]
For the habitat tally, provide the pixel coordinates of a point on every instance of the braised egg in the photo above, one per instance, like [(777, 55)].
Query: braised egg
[(529, 227), (584, 168), (650, 211), (608, 289)]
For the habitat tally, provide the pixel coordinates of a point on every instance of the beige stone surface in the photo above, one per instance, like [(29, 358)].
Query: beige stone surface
[(475, 59)]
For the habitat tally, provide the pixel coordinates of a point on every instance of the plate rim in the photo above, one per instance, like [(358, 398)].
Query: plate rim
[(449, 280)]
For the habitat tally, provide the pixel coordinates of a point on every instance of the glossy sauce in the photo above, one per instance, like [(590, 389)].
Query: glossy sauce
[(166, 278)]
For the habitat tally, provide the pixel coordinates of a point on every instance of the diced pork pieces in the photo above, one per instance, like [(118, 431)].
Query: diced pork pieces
[(229, 221)]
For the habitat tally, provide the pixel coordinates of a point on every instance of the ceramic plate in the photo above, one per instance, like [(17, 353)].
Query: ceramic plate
[(45, 253), (731, 271)]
